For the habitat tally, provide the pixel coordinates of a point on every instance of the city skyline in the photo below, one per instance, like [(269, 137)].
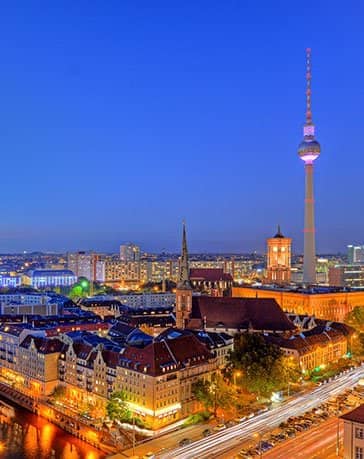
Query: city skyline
[(102, 121)]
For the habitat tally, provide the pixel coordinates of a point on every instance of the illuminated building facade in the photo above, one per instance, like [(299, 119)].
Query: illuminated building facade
[(213, 281), (83, 264), (129, 252), (279, 259), (313, 350), (355, 254), (156, 379), (322, 302), (44, 278), (38, 364), (309, 150), (347, 276)]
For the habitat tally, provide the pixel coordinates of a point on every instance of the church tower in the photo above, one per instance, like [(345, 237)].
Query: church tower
[(279, 259), (183, 289)]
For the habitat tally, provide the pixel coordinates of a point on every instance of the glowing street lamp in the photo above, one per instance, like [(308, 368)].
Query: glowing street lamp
[(236, 374)]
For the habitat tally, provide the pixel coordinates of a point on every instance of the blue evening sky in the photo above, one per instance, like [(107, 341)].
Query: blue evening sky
[(118, 119)]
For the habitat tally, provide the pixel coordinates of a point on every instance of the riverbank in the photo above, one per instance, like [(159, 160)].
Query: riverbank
[(98, 438)]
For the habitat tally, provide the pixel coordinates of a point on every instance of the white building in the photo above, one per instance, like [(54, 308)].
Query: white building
[(43, 278), (129, 252), (354, 433), (83, 264)]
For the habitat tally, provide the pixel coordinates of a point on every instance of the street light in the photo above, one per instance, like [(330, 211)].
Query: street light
[(213, 390), (236, 374)]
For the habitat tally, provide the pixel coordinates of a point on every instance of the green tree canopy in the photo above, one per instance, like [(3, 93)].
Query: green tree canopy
[(117, 408), (213, 394), (355, 318), (262, 365)]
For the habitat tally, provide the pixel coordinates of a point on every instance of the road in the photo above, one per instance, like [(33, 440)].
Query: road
[(316, 443), (229, 439)]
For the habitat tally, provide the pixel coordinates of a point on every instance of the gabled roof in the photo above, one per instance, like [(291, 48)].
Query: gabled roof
[(166, 356), (356, 415), (43, 345), (239, 313)]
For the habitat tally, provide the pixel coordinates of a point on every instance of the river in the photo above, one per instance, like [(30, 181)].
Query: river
[(27, 436)]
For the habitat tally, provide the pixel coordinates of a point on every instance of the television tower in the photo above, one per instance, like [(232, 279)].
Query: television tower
[(309, 149)]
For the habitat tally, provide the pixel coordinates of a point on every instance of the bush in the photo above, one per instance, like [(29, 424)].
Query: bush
[(193, 419)]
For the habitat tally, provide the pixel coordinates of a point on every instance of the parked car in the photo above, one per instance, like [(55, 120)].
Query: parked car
[(185, 442), (219, 427)]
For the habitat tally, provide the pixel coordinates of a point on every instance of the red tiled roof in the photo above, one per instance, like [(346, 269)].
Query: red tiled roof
[(164, 357), (209, 274), (356, 415), (43, 345), (111, 358), (239, 313), (82, 350)]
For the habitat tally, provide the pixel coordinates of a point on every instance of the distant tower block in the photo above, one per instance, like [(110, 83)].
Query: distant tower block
[(279, 259), (308, 150)]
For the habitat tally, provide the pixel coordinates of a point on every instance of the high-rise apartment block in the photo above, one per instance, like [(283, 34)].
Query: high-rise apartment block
[(83, 264), (347, 276), (129, 252), (279, 259), (355, 254)]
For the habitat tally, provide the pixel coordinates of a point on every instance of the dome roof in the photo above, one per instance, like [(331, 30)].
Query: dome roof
[(309, 146)]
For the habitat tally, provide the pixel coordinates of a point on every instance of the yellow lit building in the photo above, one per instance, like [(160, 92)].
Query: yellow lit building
[(325, 303), (156, 379), (38, 364), (279, 259)]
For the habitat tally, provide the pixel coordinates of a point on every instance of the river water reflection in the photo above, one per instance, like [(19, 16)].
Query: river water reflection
[(32, 437)]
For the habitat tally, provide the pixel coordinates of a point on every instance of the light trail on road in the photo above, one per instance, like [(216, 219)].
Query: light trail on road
[(229, 438)]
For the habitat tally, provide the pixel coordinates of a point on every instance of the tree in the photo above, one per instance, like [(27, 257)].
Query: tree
[(213, 394), (262, 365), (355, 318), (117, 408), (59, 392)]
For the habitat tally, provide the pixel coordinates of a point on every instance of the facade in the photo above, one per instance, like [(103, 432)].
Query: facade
[(147, 300), (38, 364), (313, 349), (323, 302), (309, 150), (211, 280), (354, 433), (156, 379), (279, 259), (44, 278), (347, 276), (12, 281), (26, 304), (83, 264), (355, 254), (129, 252)]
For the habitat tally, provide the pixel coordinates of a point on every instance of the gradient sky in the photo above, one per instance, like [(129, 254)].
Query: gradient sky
[(118, 119)]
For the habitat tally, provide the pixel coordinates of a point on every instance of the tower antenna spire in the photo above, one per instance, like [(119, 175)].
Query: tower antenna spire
[(308, 87)]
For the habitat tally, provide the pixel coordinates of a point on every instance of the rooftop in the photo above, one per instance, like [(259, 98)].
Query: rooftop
[(312, 290), (356, 415), (238, 313)]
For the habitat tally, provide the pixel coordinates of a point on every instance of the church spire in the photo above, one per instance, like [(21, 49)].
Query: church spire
[(184, 275)]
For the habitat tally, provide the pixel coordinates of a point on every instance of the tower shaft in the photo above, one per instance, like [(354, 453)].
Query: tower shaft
[(309, 257)]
